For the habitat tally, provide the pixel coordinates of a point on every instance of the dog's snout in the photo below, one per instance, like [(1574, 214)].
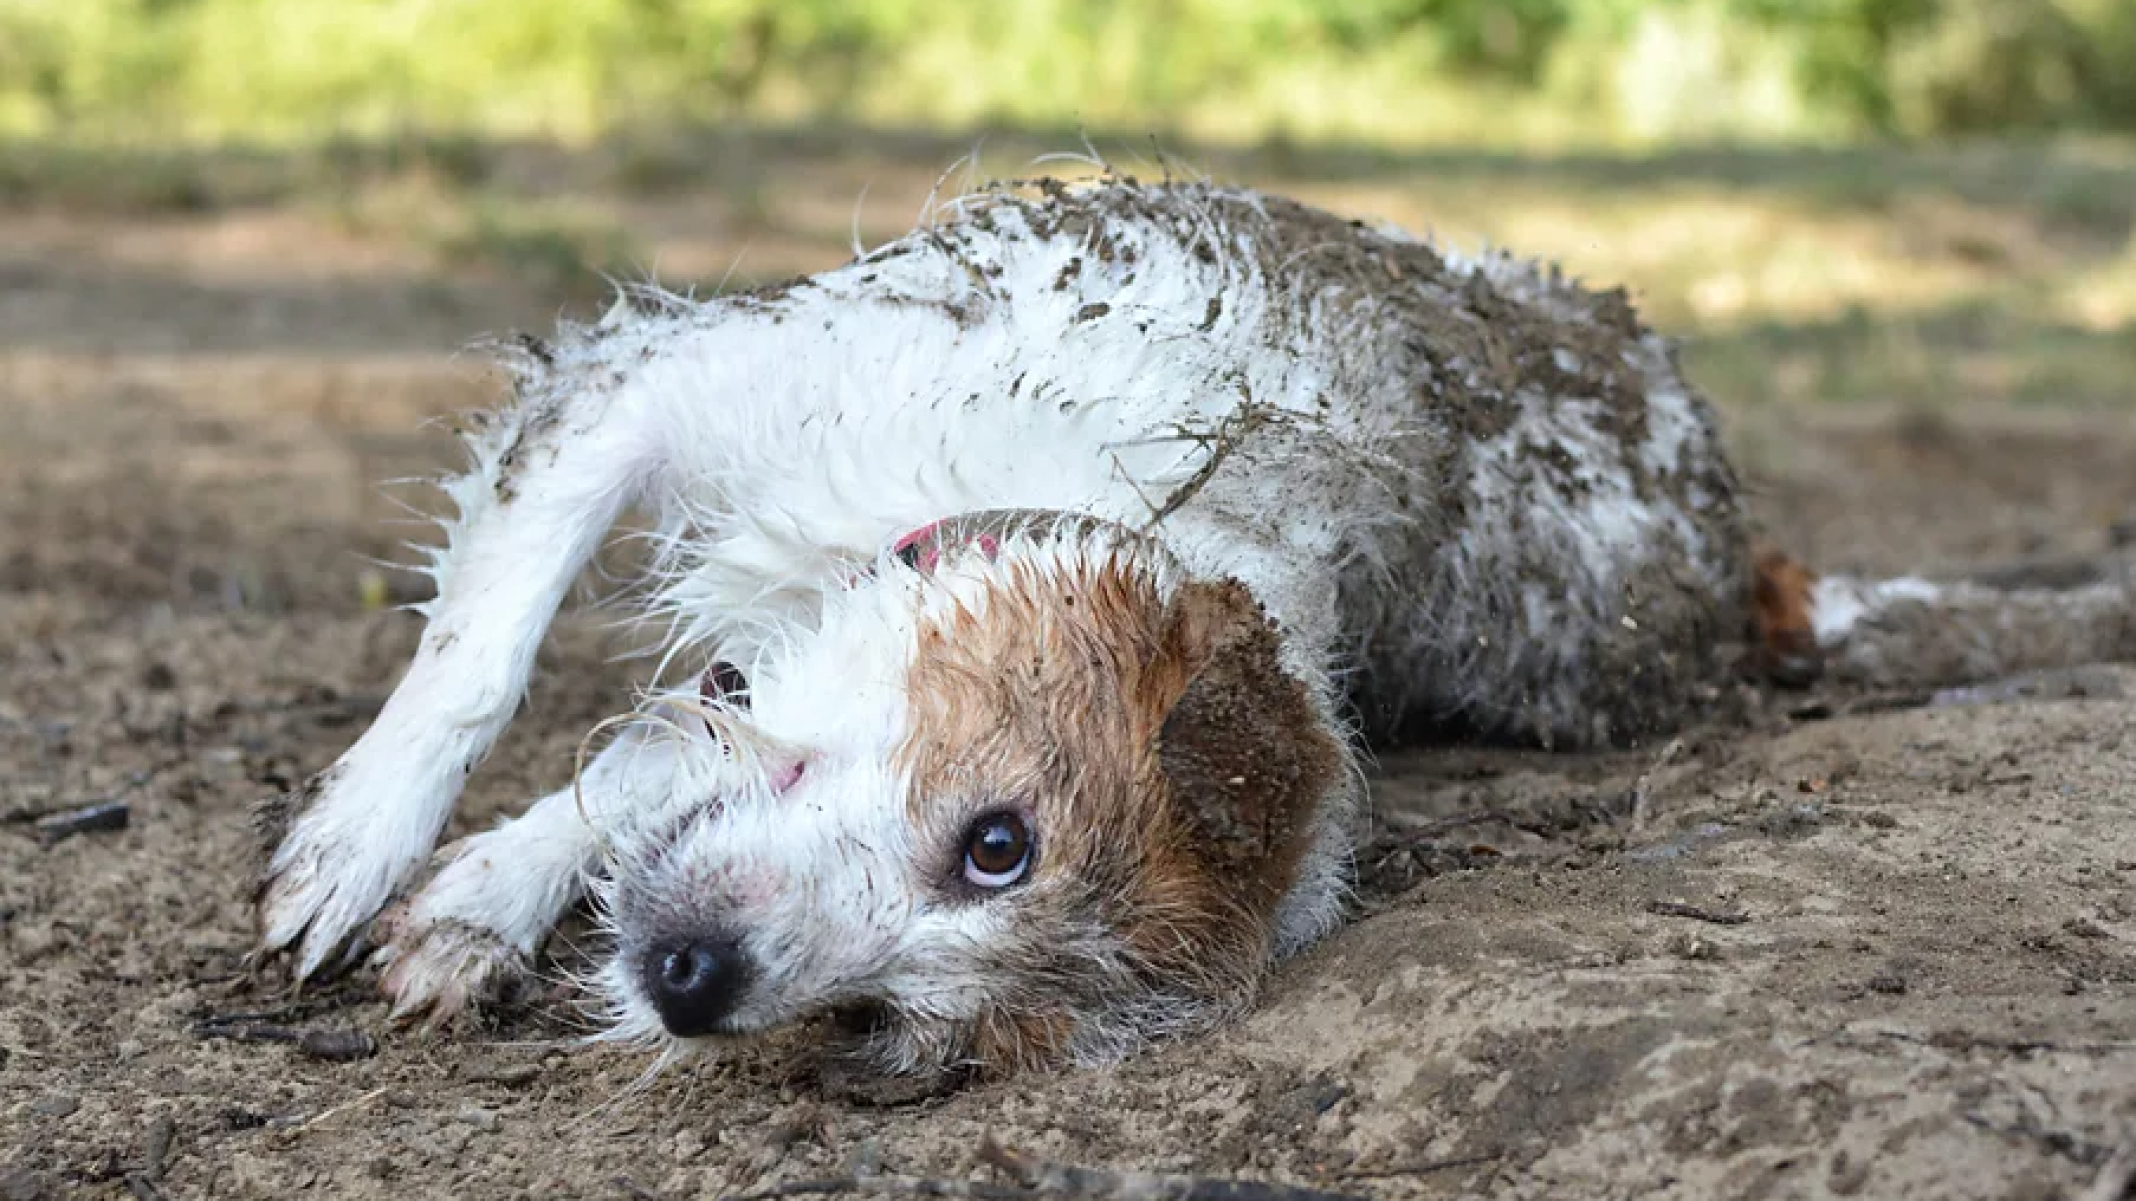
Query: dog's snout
[(695, 983)]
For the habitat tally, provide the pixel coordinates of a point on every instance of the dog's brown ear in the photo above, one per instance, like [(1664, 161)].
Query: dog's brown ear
[(1245, 753)]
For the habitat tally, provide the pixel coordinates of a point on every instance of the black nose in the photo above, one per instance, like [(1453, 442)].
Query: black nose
[(695, 983)]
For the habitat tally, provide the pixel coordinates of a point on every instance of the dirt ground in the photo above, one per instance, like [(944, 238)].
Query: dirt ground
[(1840, 951)]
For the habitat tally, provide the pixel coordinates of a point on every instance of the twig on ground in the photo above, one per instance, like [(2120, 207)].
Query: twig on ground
[(632, 1189), (261, 1033), (338, 1046), (307, 1007), (2055, 1142), (1888, 702), (1696, 914), (344, 1107), (90, 819), (1427, 1167), (335, 1046), (905, 1186), (135, 781)]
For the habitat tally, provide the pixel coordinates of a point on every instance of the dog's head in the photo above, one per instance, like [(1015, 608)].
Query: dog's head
[(1026, 795)]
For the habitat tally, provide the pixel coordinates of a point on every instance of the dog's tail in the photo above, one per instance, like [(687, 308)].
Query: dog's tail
[(1912, 632)]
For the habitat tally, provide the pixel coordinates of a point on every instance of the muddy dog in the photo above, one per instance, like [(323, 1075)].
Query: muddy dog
[(1029, 584)]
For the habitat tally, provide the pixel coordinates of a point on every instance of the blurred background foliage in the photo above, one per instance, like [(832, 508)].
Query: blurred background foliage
[(1400, 72), (1906, 201)]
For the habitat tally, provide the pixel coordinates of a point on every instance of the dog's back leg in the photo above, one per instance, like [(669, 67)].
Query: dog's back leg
[(551, 476), (1912, 632)]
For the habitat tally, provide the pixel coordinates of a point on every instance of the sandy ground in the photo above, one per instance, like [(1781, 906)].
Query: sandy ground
[(1900, 961)]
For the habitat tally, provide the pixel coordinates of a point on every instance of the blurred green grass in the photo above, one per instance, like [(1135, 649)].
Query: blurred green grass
[(1908, 275), (1395, 72)]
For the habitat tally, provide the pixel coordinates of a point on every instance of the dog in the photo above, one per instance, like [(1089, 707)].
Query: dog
[(1029, 586)]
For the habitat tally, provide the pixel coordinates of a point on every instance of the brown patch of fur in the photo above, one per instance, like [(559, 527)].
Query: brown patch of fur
[(1171, 769), (1244, 753), (1786, 649), (1007, 1040)]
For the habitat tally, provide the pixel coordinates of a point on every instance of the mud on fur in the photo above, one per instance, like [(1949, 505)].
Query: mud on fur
[(1029, 586)]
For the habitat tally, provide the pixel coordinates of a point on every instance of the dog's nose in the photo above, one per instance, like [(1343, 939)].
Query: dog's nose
[(695, 983)]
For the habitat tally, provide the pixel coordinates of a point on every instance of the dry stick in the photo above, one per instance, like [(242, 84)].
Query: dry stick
[(344, 1107), (90, 819), (1219, 442), (907, 1186), (336, 1046), (2053, 1142), (308, 1007), (1696, 914), (135, 781), (1426, 1168)]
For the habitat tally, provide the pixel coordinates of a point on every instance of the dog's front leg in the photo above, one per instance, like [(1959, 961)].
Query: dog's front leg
[(550, 479), (470, 936)]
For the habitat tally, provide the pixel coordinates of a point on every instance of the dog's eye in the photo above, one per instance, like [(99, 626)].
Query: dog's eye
[(997, 851)]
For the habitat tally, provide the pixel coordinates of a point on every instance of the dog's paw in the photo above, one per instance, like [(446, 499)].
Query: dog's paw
[(468, 939), (438, 969), (338, 862)]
